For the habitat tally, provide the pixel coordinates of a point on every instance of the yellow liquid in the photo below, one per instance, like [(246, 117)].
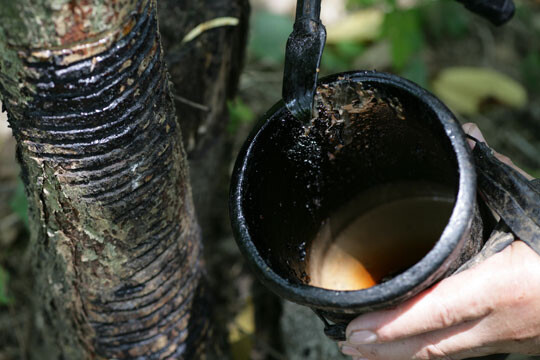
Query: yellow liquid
[(381, 242)]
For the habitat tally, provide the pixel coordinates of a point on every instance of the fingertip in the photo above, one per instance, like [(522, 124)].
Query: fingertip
[(467, 126), (362, 337), (365, 328), (358, 324), (473, 130)]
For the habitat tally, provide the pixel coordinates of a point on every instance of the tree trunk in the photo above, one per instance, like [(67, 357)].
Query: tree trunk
[(205, 72), (116, 246)]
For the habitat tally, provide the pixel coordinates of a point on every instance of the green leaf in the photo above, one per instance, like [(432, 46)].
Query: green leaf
[(464, 89), (332, 62), (367, 3), (403, 29), (4, 278), (361, 3), (359, 26), (19, 203), (445, 19), (341, 56), (416, 70), (349, 49), (269, 34), (239, 113)]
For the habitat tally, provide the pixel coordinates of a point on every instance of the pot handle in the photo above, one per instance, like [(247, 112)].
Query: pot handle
[(336, 332)]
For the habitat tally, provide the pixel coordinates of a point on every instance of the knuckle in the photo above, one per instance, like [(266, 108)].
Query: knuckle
[(445, 316), (432, 352)]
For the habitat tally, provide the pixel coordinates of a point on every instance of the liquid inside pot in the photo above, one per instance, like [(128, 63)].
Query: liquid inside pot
[(353, 251)]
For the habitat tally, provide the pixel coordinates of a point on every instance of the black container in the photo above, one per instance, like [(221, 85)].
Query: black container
[(289, 177)]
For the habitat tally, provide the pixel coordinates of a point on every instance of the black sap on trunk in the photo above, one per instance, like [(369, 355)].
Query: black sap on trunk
[(379, 147)]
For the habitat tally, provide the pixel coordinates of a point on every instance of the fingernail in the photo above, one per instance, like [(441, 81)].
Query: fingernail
[(475, 133), (362, 337), (349, 350)]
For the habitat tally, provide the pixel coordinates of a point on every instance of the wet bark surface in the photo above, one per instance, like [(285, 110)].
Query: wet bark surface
[(116, 247)]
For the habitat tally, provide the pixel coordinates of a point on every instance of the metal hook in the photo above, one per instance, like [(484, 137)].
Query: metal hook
[(302, 59)]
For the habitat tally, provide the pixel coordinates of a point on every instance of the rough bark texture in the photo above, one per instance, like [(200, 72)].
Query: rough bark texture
[(116, 247), (205, 71)]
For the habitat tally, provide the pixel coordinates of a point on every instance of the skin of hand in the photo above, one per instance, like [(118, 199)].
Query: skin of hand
[(491, 308)]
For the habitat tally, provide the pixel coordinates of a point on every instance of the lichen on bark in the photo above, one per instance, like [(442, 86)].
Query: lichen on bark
[(116, 246)]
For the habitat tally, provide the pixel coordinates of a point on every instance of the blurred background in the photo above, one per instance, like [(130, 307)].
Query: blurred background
[(485, 74)]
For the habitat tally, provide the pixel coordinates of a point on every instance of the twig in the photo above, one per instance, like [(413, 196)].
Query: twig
[(210, 24), (191, 103)]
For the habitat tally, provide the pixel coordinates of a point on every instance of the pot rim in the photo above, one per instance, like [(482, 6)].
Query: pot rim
[(427, 270)]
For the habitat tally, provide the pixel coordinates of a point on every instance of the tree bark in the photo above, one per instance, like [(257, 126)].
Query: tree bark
[(115, 243)]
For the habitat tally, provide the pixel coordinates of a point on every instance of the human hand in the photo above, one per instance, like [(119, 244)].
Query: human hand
[(491, 308)]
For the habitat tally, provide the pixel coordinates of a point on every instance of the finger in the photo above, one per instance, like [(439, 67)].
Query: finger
[(452, 301), (473, 130), (350, 350), (462, 341)]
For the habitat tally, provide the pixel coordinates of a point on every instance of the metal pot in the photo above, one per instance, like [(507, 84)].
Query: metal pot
[(291, 176)]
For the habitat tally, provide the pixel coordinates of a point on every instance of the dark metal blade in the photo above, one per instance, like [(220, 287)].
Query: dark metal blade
[(302, 59), (496, 11)]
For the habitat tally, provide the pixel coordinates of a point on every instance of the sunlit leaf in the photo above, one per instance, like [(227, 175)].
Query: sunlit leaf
[(362, 25), (241, 331), (376, 57), (464, 89)]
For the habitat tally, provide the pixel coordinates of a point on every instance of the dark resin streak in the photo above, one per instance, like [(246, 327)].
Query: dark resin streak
[(105, 171)]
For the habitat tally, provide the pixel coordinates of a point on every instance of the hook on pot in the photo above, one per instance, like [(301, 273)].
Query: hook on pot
[(336, 332), (302, 59)]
